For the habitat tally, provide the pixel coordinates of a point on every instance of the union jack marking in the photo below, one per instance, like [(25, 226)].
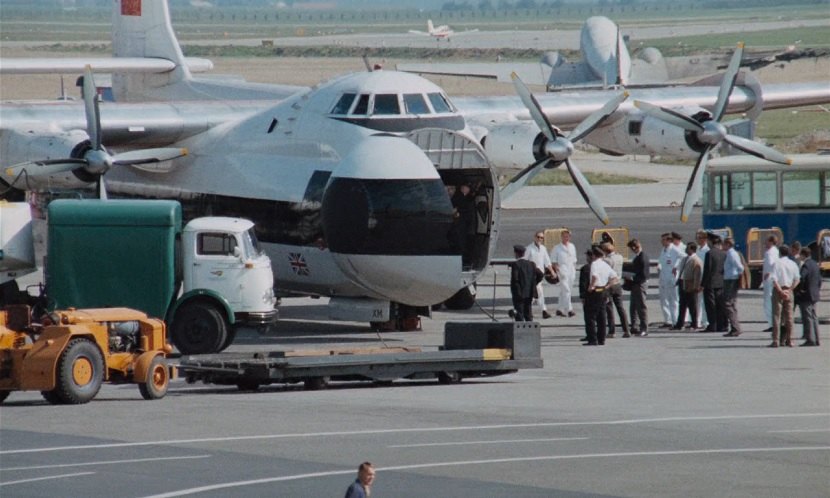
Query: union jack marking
[(298, 264)]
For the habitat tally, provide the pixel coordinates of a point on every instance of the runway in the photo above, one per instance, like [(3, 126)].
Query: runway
[(672, 414)]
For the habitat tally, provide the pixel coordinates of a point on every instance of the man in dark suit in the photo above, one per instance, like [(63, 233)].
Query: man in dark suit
[(523, 280), (807, 296), (712, 283), (638, 308)]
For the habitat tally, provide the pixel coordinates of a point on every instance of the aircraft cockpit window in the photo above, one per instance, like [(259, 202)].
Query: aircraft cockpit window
[(344, 104), (439, 103), (386, 103), (362, 106), (415, 103)]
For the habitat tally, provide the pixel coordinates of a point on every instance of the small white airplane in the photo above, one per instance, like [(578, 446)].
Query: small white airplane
[(442, 32), (346, 181)]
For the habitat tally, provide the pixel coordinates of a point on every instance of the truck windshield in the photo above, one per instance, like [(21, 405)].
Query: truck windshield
[(251, 243)]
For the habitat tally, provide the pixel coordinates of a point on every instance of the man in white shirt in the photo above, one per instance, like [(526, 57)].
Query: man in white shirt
[(785, 277), (668, 287), (770, 257), (563, 259), (602, 276), (702, 249), (615, 291), (538, 254), (733, 268)]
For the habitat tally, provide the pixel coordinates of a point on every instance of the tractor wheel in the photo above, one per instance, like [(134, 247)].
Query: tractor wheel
[(80, 372), (51, 397), (198, 328), (4, 395), (158, 380)]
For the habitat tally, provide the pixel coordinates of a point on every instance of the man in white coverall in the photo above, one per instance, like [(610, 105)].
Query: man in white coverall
[(771, 256), (563, 258), (538, 253)]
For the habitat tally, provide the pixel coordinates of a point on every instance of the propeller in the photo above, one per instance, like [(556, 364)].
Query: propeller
[(96, 159), (558, 148), (711, 133)]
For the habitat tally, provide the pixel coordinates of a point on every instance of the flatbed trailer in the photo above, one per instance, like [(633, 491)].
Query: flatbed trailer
[(471, 349)]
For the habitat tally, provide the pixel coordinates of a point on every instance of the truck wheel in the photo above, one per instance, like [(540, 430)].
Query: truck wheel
[(231, 335), (51, 397), (198, 328), (158, 380), (4, 395), (80, 372)]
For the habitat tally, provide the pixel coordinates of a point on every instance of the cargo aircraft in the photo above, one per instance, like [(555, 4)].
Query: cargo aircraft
[(347, 181)]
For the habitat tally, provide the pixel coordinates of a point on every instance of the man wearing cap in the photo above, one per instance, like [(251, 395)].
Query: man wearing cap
[(523, 278), (538, 254), (563, 259), (668, 287)]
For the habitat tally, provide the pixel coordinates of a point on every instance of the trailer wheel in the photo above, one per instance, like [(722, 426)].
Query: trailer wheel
[(158, 380), (316, 383), (51, 397), (449, 378), (198, 328), (80, 372), (4, 395)]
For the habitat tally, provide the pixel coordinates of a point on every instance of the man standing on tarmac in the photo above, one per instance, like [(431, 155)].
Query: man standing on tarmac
[(702, 249), (615, 291), (807, 296), (770, 257), (668, 287), (602, 276), (712, 283), (691, 272), (639, 283), (563, 258), (362, 486), (538, 254), (522, 283), (733, 269), (785, 277)]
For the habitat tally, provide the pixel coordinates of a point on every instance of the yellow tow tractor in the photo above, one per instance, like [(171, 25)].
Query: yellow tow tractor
[(69, 354)]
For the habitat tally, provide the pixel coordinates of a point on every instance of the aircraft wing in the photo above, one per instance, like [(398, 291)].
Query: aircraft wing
[(532, 73), (415, 32), (48, 65)]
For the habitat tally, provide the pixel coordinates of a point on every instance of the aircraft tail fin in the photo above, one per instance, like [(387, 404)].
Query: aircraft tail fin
[(142, 28), (430, 27)]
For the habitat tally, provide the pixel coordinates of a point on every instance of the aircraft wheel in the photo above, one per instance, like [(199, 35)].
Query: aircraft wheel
[(158, 380), (80, 372), (463, 299), (198, 328)]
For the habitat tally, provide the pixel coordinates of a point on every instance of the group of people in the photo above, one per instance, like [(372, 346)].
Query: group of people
[(698, 286)]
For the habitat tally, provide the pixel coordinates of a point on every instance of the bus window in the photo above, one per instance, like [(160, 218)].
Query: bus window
[(826, 190), (744, 190), (802, 189), (764, 191)]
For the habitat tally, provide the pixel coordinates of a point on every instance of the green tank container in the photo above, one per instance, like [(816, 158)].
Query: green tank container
[(105, 253)]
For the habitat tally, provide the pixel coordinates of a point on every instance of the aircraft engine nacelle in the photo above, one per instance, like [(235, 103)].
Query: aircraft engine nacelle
[(22, 147), (641, 134), (553, 59), (514, 146)]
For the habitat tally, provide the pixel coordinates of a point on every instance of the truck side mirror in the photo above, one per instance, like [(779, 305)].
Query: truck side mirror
[(237, 252)]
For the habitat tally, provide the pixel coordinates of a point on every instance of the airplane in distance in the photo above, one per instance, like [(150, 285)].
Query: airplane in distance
[(348, 182), (442, 32), (605, 62)]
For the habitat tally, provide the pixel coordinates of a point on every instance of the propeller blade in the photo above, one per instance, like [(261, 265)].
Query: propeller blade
[(102, 188), (534, 108), (587, 192), (147, 156), (728, 83), (756, 149), (596, 118), (44, 168), (693, 188), (93, 114), (669, 116), (521, 178), (619, 47)]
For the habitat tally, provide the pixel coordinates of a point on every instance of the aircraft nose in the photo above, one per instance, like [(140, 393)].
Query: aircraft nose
[(390, 229)]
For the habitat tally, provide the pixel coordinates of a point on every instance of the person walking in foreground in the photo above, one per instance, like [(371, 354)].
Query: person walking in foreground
[(362, 486), (639, 283), (785, 277), (807, 296)]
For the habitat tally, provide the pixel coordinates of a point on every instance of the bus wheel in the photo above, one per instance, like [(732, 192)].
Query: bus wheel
[(198, 328)]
